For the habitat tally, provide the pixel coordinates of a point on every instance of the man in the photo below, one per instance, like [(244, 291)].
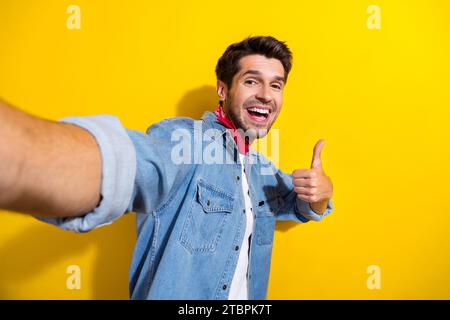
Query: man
[(206, 203)]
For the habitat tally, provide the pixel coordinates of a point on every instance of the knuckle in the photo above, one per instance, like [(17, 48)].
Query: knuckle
[(296, 173)]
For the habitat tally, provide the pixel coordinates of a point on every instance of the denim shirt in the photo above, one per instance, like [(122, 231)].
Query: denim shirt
[(190, 212)]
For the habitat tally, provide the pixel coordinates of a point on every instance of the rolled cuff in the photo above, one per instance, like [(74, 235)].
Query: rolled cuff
[(118, 173)]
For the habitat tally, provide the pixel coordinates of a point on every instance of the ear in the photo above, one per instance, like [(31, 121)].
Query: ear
[(222, 90)]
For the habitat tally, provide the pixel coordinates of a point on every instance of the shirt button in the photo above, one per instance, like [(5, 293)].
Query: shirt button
[(236, 248), (224, 287), (248, 192), (251, 209), (208, 203), (237, 178), (243, 210)]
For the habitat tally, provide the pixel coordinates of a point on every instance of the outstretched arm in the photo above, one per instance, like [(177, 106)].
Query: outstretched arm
[(47, 168)]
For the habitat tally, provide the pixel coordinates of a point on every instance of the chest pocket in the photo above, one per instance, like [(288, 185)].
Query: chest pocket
[(206, 219)]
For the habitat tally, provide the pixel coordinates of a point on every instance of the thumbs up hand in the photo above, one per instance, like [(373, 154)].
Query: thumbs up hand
[(313, 185)]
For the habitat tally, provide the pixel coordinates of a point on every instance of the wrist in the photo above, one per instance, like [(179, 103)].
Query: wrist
[(320, 206)]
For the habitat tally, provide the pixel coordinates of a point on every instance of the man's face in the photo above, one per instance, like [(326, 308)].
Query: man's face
[(256, 94)]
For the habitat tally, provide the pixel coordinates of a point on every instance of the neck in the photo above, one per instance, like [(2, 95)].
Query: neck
[(238, 135)]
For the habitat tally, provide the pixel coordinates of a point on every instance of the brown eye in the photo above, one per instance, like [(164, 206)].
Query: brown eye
[(276, 86), (250, 82)]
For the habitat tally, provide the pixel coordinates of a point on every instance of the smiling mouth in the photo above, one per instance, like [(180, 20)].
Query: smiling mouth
[(258, 114)]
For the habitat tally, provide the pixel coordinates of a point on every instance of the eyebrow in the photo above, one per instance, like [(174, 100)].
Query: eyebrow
[(258, 73)]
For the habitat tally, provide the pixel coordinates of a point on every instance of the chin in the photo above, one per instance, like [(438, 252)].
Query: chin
[(258, 132)]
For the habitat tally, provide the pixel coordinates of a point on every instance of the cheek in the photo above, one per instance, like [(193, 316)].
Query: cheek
[(236, 98), (238, 104), (244, 94), (279, 101)]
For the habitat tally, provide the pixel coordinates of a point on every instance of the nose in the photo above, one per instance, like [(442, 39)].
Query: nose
[(264, 94)]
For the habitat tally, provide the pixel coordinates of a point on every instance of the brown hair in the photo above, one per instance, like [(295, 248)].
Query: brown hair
[(228, 64)]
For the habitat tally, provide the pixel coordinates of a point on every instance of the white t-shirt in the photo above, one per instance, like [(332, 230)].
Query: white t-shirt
[(238, 289)]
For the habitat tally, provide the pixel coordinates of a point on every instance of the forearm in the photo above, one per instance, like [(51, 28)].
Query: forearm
[(47, 168)]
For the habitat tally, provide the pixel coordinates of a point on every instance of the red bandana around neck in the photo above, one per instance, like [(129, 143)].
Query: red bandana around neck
[(242, 145)]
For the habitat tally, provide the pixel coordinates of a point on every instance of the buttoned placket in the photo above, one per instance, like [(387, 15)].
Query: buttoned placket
[(248, 167), (232, 149)]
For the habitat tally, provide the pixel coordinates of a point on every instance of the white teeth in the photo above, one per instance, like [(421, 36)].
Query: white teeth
[(264, 111)]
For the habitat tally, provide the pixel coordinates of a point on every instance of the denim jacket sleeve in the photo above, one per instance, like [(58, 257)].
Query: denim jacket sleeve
[(158, 176), (118, 173), (294, 208), (137, 171)]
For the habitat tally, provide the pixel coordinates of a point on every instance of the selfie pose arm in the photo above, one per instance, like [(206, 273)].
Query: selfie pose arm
[(47, 168)]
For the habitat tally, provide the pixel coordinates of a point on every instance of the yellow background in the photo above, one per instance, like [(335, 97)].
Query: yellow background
[(380, 99)]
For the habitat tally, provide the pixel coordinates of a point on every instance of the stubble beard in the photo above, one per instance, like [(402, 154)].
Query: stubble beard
[(254, 131)]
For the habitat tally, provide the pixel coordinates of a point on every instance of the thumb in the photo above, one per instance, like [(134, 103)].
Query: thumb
[(316, 161)]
